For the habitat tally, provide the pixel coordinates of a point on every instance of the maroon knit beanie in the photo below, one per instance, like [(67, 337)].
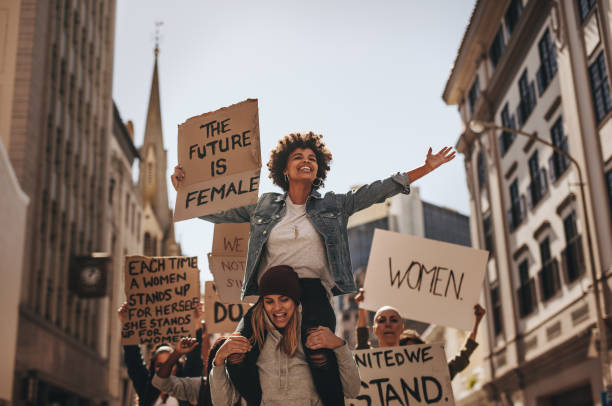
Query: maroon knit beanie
[(280, 280)]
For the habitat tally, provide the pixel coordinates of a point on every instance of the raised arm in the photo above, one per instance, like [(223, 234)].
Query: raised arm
[(362, 331), (462, 360), (237, 215), (194, 364), (222, 390), (136, 368), (378, 191), (181, 388)]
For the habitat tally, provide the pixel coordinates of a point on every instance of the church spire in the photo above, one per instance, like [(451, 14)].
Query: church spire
[(152, 176)]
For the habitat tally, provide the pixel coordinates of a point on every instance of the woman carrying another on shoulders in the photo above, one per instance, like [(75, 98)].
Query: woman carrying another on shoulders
[(309, 232), (284, 374), (389, 329)]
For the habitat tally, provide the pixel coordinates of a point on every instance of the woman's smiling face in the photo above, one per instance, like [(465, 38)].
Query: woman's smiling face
[(279, 308), (301, 165)]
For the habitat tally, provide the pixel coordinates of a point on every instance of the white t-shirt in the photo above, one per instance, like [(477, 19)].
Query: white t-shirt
[(295, 242), (170, 401)]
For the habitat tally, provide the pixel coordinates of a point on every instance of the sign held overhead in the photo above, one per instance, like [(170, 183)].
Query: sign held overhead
[(220, 154), (426, 280)]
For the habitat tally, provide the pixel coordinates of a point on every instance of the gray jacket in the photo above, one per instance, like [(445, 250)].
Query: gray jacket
[(329, 215), (285, 380)]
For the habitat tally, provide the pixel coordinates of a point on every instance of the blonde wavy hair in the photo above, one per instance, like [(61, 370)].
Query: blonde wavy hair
[(290, 340)]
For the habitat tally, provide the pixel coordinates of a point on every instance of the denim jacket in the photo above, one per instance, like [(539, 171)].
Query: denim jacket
[(329, 215)]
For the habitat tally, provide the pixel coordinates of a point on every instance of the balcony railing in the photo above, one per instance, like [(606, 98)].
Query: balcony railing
[(573, 259), (526, 298), (549, 279), (537, 188)]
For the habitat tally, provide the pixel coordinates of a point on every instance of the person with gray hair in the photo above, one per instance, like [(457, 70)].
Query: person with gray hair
[(389, 329)]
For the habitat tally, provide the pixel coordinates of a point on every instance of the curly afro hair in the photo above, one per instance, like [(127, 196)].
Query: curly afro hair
[(289, 143)]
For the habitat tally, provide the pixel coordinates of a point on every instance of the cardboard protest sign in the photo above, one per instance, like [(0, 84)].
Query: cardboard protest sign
[(163, 294), (221, 317), (409, 375), (231, 239), (220, 154), (426, 280), (228, 259)]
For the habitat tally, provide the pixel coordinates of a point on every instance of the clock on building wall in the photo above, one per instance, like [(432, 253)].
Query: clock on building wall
[(89, 275)]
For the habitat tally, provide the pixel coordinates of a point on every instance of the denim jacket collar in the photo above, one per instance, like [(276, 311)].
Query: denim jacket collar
[(314, 194)]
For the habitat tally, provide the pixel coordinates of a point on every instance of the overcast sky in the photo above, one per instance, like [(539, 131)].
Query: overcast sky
[(367, 75)]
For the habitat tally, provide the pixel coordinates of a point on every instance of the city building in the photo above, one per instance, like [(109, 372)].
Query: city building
[(56, 122), (12, 225), (124, 215), (158, 226), (406, 214), (541, 67)]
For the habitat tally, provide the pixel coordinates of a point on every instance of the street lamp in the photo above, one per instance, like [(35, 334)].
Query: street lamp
[(478, 127)]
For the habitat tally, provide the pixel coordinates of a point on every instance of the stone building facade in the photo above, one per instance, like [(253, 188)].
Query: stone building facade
[(540, 66)]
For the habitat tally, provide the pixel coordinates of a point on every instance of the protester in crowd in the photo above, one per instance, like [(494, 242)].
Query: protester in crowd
[(309, 232), (284, 373), (141, 376), (194, 390), (389, 329)]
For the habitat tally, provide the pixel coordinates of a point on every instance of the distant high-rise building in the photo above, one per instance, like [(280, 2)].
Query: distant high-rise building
[(541, 66), (158, 227), (56, 122), (406, 214)]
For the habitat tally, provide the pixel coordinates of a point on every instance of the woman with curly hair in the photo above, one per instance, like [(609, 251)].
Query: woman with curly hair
[(309, 232)]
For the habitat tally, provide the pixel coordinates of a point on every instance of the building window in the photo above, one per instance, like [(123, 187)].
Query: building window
[(111, 189), (549, 274), (573, 258), (127, 210), (482, 169), (512, 15), (497, 47), (548, 62), (558, 163), (497, 310), (148, 250), (517, 211), (600, 87), (488, 234), (506, 138), (473, 95), (526, 290), (528, 99), (538, 185), (584, 6)]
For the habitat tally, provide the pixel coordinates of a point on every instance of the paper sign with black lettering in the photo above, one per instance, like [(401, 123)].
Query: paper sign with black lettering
[(231, 239), (220, 154), (163, 295), (228, 274), (228, 259), (426, 280), (221, 317), (408, 375)]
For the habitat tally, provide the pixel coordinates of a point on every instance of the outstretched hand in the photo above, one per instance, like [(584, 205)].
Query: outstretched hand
[(443, 156)]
